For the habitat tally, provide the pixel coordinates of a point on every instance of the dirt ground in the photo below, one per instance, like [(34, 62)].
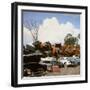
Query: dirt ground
[(66, 71)]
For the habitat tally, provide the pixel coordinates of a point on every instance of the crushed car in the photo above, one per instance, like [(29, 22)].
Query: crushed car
[(31, 65)]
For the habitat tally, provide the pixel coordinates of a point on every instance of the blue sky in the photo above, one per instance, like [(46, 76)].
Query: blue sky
[(61, 17), (51, 23)]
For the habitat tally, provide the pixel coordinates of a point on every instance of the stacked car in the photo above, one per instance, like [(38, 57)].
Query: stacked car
[(31, 65)]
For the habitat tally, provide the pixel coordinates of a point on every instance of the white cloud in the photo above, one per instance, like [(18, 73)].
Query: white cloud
[(51, 30), (27, 37)]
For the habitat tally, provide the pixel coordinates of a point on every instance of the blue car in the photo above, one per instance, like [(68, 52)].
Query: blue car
[(75, 61)]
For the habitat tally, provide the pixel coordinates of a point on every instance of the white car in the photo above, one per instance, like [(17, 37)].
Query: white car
[(48, 61), (74, 60), (64, 61)]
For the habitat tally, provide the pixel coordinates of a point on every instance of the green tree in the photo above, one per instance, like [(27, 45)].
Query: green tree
[(70, 40)]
